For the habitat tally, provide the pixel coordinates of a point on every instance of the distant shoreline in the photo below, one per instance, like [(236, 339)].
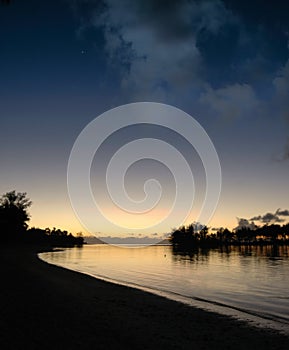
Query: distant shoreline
[(43, 305)]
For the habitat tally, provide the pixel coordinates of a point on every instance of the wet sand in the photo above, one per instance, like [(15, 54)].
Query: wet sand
[(47, 307)]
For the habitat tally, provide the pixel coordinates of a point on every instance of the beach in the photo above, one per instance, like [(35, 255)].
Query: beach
[(45, 306)]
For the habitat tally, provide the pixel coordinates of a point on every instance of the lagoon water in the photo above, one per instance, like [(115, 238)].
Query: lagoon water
[(241, 281)]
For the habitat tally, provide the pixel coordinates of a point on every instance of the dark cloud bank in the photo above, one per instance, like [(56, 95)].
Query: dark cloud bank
[(229, 57)]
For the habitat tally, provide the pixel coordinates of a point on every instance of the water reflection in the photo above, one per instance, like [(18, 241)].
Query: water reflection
[(251, 278), (271, 252)]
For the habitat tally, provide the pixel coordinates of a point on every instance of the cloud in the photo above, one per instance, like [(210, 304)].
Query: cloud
[(286, 151), (271, 217), (244, 223), (284, 212), (281, 86), (166, 51), (284, 155), (256, 218), (281, 102), (155, 42), (231, 102), (217, 228), (130, 240)]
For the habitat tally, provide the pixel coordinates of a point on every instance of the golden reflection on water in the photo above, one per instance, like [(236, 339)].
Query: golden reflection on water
[(250, 278)]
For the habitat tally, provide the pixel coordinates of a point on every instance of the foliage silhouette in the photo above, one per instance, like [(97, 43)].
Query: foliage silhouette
[(187, 237), (14, 219), (13, 214)]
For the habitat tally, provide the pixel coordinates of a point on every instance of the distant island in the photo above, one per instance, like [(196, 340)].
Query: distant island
[(189, 237)]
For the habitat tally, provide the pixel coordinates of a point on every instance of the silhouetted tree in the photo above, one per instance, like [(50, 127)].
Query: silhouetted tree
[(14, 228), (186, 237), (225, 236), (203, 233), (13, 214)]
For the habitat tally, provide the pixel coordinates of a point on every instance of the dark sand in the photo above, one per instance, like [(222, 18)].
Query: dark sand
[(47, 307)]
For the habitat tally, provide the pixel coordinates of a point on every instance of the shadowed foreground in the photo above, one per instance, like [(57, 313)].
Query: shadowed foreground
[(44, 306)]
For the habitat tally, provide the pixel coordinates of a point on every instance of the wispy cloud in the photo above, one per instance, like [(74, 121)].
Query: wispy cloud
[(284, 156), (155, 42), (162, 51), (231, 102), (284, 212), (268, 218)]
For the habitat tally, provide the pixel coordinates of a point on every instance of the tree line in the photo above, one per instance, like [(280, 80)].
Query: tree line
[(189, 236), (14, 218)]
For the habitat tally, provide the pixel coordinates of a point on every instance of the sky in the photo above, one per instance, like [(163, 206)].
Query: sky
[(225, 63)]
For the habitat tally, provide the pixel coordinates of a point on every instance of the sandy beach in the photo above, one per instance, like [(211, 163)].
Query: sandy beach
[(45, 306)]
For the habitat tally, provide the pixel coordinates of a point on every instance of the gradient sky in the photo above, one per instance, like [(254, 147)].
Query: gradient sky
[(226, 63)]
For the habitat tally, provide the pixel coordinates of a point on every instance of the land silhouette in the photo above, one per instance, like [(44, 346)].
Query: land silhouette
[(189, 237), (45, 306), (14, 218)]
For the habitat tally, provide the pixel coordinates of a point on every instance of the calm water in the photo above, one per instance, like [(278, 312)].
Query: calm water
[(252, 280)]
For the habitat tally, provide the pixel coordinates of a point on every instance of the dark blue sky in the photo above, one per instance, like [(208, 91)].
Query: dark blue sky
[(226, 63)]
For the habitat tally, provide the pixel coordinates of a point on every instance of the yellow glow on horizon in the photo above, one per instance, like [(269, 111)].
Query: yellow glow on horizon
[(67, 220), (48, 212)]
